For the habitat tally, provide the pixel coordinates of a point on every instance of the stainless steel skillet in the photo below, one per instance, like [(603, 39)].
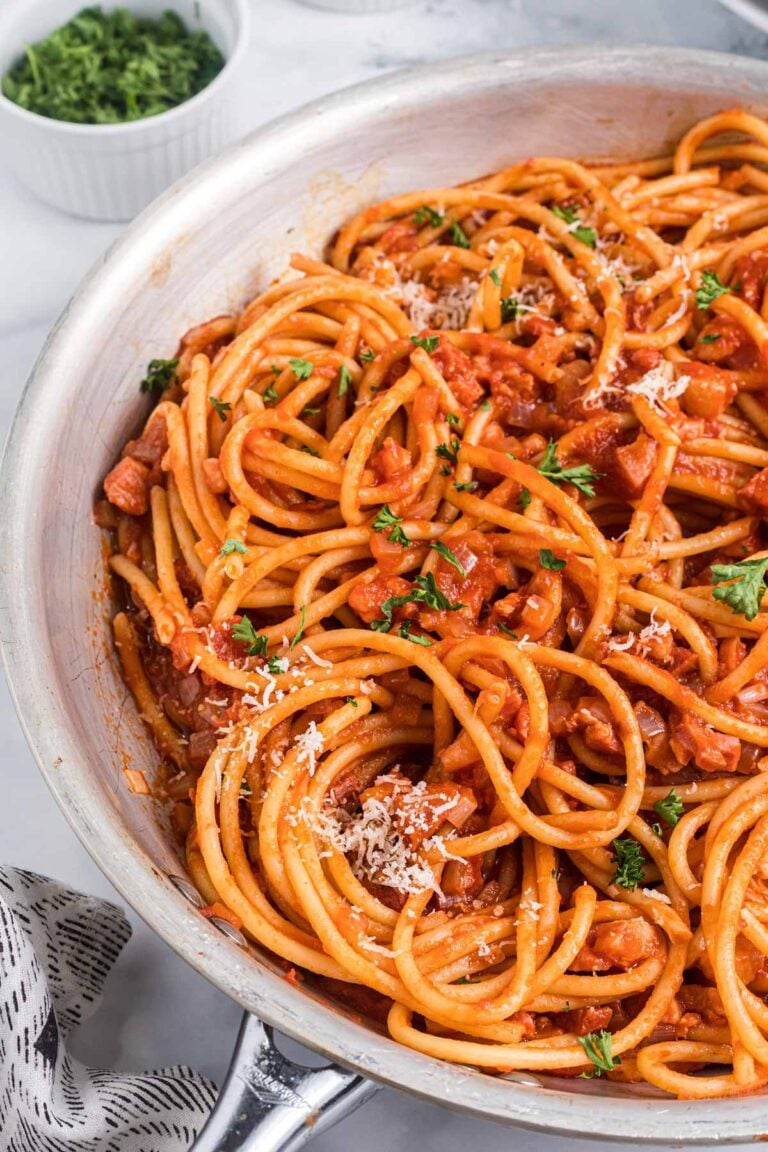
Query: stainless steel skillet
[(200, 250)]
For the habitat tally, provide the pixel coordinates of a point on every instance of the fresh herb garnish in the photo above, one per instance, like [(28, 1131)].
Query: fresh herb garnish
[(495, 276), (670, 808), (350, 700), (160, 375), (485, 406), (581, 476), (629, 859), (275, 665), (309, 451), (444, 551), (368, 355), (426, 592), (508, 631), (302, 369), (547, 559), (427, 215), (458, 235), (110, 67), (468, 487), (710, 289), (220, 407), (524, 498), (709, 338), (385, 518), (597, 1046), (269, 395), (746, 592), (510, 309), (449, 452), (300, 633), (247, 634), (405, 633), (345, 379), (310, 411), (453, 419), (230, 546), (428, 343), (587, 236)]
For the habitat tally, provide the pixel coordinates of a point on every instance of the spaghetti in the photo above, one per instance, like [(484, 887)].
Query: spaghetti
[(444, 600)]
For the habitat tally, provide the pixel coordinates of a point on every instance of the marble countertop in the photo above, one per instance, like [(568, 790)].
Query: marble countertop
[(156, 1010)]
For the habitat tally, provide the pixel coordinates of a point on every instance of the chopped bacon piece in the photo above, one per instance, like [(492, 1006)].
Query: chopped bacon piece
[(580, 1021), (749, 273), (710, 391), (223, 643), (201, 745), (391, 461), (214, 477), (458, 371), (127, 486), (419, 810), (367, 599), (711, 751), (634, 463), (705, 1001), (462, 880), (593, 715), (618, 944), (399, 237), (753, 497), (151, 446)]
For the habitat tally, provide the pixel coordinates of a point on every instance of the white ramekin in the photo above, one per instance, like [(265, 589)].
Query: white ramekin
[(361, 7), (112, 171)]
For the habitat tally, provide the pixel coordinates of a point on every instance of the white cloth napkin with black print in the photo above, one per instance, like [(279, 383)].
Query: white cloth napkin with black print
[(56, 950)]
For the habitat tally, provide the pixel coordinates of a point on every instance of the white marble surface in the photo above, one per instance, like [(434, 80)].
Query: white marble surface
[(156, 1010)]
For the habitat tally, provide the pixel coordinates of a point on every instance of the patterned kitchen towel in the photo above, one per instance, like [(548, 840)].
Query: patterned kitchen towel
[(56, 950)]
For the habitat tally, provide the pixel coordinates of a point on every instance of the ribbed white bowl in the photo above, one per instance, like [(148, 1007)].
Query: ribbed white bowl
[(112, 171)]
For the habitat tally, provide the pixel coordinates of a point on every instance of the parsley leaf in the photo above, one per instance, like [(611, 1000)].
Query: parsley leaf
[(597, 1046), (485, 406), (160, 375), (368, 355), (427, 215), (453, 419), (524, 498), (385, 518), (310, 411), (581, 476), (710, 288), (300, 633), (309, 451), (302, 369), (405, 633), (468, 487), (508, 631), (269, 395), (444, 551), (709, 338), (547, 559), (425, 592), (350, 700), (495, 275), (221, 407), (428, 343), (510, 309), (245, 632), (275, 665), (345, 379), (230, 546), (449, 452), (587, 236), (670, 808), (746, 592), (458, 235), (629, 858)]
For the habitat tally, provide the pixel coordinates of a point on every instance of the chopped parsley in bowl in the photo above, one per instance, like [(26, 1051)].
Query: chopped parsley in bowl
[(113, 67)]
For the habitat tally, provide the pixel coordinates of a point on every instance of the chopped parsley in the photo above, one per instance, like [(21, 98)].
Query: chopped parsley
[(386, 519), (110, 67), (428, 343), (581, 476), (300, 633), (587, 236), (670, 808), (350, 700), (269, 395), (510, 309), (597, 1046), (468, 487), (309, 451), (444, 551), (746, 592), (160, 375), (453, 419), (425, 592), (302, 369), (547, 559), (485, 406), (709, 338), (450, 453), (710, 289), (230, 546), (275, 665), (524, 498), (495, 276), (458, 235), (405, 633), (220, 407), (345, 379), (427, 215), (508, 632), (366, 357), (629, 860), (310, 411), (245, 632)]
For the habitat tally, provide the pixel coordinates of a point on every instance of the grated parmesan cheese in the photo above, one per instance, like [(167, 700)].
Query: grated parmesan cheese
[(318, 660), (310, 744), (659, 386), (654, 895)]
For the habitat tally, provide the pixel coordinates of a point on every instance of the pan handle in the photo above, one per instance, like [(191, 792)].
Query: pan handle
[(272, 1104)]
